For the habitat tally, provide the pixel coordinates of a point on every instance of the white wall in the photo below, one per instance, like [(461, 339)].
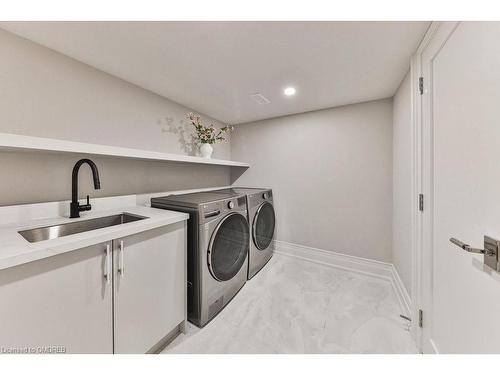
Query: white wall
[(331, 172), (44, 93), (402, 190)]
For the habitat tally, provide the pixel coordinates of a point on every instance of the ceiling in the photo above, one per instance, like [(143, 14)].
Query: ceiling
[(214, 67)]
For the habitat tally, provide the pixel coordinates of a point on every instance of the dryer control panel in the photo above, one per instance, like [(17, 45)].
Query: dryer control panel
[(258, 198)]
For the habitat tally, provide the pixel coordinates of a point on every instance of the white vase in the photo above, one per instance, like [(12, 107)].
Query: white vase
[(206, 150)]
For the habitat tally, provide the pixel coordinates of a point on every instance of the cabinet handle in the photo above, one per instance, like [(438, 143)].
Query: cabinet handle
[(121, 264), (107, 265)]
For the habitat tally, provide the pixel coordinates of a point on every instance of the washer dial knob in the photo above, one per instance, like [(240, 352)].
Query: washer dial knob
[(230, 205), (265, 195)]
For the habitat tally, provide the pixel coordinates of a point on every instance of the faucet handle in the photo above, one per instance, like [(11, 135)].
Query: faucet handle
[(86, 207)]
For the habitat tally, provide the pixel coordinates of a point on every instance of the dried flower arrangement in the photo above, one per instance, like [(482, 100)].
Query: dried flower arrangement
[(207, 134)]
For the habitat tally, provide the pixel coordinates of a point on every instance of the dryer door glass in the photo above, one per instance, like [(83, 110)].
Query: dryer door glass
[(263, 226), (229, 247)]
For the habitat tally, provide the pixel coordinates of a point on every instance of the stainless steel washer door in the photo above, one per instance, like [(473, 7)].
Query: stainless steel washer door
[(263, 226), (228, 247)]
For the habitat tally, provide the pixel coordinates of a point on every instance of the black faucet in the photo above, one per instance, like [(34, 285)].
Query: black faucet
[(75, 206)]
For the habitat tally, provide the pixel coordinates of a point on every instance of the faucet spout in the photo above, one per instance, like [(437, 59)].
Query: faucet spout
[(75, 207)]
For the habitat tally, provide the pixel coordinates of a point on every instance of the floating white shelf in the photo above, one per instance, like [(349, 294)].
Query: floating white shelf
[(23, 142)]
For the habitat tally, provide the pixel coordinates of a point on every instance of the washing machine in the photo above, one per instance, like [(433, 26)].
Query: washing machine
[(218, 246), (262, 220)]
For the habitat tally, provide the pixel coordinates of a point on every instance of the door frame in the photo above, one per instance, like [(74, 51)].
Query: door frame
[(423, 181)]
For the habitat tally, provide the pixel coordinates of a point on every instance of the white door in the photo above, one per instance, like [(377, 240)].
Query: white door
[(61, 303), (149, 287), (461, 180)]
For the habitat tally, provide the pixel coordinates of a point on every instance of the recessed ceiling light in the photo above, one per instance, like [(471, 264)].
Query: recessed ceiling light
[(289, 91)]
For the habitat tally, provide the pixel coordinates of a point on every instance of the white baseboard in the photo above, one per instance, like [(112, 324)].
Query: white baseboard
[(402, 293), (369, 267)]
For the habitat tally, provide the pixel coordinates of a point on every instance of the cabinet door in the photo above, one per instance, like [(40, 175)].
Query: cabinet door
[(149, 287), (62, 303)]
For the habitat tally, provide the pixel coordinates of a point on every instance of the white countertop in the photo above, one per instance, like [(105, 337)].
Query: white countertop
[(15, 250)]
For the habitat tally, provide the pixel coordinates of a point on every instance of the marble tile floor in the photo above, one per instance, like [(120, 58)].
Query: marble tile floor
[(296, 306)]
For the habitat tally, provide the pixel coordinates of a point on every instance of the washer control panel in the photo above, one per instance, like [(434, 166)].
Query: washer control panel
[(214, 209)]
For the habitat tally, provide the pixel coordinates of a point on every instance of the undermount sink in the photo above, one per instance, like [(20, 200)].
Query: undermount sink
[(56, 231)]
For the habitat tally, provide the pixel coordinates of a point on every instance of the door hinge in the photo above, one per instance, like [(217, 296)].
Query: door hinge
[(420, 318), (421, 85), (420, 202)]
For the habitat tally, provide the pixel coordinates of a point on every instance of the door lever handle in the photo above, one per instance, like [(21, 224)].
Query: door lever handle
[(470, 249)]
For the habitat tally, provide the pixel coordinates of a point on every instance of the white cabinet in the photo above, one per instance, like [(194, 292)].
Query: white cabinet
[(58, 303), (122, 296), (149, 287)]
